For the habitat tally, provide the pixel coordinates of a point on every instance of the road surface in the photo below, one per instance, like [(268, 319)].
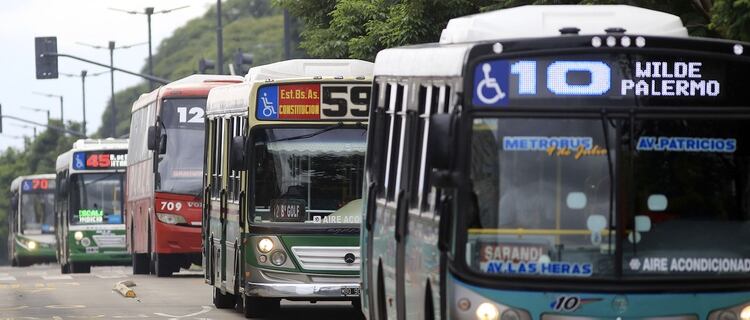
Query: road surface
[(42, 292)]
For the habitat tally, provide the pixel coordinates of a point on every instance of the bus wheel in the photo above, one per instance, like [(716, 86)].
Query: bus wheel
[(64, 268), (259, 307), (80, 267), (223, 300), (140, 263), (163, 266)]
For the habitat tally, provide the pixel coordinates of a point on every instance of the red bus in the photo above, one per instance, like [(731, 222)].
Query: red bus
[(165, 170)]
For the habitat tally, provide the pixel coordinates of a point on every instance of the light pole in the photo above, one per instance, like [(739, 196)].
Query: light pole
[(52, 95), (38, 110), (83, 76), (219, 41), (25, 127), (111, 47), (149, 11)]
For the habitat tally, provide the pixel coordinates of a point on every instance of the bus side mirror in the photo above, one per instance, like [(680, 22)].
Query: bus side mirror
[(163, 144), (237, 154), (441, 141), (151, 136), (14, 202), (62, 187)]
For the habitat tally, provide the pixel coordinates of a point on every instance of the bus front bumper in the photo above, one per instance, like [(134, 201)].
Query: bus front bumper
[(307, 291)]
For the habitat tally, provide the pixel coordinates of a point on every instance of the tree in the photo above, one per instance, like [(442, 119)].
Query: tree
[(361, 28)]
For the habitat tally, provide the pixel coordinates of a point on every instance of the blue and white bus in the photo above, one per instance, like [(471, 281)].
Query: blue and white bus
[(559, 162)]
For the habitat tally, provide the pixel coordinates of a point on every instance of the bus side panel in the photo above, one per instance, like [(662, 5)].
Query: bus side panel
[(233, 243), (139, 201), (214, 240), (384, 258)]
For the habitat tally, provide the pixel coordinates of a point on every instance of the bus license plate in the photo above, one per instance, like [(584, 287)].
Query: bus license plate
[(350, 291)]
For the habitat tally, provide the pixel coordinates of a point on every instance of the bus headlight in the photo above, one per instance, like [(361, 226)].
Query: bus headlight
[(265, 245), (740, 312), (32, 245), (78, 235), (169, 218), (278, 258), (488, 311)]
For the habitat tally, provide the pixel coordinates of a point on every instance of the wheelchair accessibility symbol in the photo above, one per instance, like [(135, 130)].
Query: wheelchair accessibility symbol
[(490, 79), (268, 108), (268, 103)]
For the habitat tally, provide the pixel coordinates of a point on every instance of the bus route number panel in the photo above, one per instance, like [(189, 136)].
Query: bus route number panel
[(612, 78), (98, 160), (312, 101), (39, 185)]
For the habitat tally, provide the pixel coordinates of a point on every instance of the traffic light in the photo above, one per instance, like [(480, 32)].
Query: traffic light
[(45, 49), (241, 59), (205, 64)]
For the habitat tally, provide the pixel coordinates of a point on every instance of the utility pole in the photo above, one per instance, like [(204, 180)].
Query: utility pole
[(83, 76), (148, 12), (287, 35), (50, 95), (219, 41), (112, 86), (38, 110)]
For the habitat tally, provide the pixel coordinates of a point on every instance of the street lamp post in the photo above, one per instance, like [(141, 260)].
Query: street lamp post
[(51, 95), (219, 40), (83, 76), (111, 47), (148, 12), (38, 110)]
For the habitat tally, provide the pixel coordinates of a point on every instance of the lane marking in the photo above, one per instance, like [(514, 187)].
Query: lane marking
[(65, 306), (16, 308), (7, 278), (204, 310), (113, 276), (36, 273), (131, 317), (86, 317), (62, 277)]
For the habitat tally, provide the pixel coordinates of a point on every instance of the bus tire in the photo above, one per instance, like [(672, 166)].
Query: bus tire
[(382, 312), (429, 307), (163, 266), (64, 268), (223, 300), (80, 267), (140, 263), (258, 307)]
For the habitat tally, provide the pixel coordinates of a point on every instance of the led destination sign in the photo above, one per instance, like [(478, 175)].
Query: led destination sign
[(312, 101), (98, 160), (619, 79), (39, 185)]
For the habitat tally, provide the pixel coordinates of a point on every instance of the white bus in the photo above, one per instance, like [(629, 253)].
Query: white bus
[(89, 219)]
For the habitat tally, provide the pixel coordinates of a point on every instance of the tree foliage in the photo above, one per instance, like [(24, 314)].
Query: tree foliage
[(361, 28), (253, 26)]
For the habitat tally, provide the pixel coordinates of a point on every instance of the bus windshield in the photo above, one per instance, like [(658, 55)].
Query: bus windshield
[(542, 189), (97, 198), (308, 175), (37, 212), (181, 167)]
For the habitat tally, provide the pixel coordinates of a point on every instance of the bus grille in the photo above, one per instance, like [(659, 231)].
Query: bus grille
[(326, 258), (109, 241)]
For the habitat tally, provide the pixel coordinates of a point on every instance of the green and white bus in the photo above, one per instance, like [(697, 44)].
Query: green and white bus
[(89, 205), (31, 220), (284, 172), (559, 163)]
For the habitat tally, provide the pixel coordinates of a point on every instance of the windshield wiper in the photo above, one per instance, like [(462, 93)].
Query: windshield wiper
[(321, 131), (610, 168)]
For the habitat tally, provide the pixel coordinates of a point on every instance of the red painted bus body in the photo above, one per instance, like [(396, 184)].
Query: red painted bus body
[(165, 170)]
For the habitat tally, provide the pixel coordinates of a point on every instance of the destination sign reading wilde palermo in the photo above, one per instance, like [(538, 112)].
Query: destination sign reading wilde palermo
[(312, 101), (620, 79), (98, 160)]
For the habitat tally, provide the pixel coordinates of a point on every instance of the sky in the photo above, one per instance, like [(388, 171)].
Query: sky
[(73, 22)]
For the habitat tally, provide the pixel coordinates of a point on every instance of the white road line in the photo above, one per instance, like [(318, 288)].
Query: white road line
[(7, 278), (62, 277), (204, 310), (36, 273), (110, 276)]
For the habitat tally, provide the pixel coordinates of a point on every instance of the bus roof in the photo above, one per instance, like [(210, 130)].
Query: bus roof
[(461, 34), (305, 68), (64, 160), (197, 85), (546, 21), (235, 99), (17, 181)]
